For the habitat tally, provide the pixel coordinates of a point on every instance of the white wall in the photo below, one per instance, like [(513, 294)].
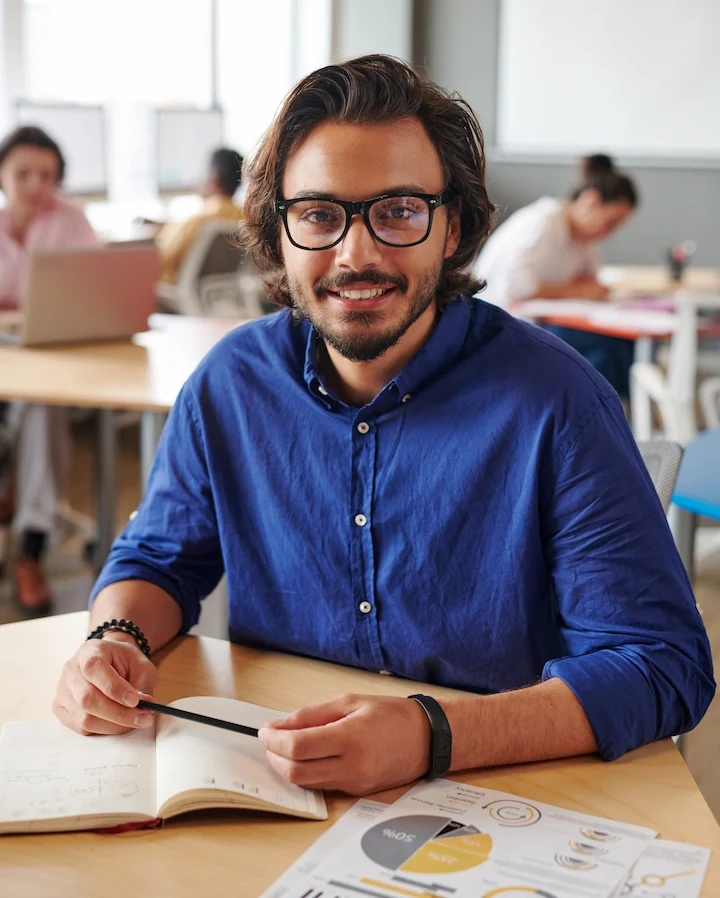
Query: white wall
[(372, 26), (10, 61)]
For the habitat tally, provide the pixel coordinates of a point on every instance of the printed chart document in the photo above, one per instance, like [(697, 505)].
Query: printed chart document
[(458, 841), (52, 779), (352, 821), (668, 870)]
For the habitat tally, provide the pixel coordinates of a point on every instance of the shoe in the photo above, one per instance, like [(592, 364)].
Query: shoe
[(32, 590)]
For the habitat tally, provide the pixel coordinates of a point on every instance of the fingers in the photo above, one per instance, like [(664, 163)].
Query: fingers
[(311, 733), (90, 704), (100, 687), (317, 715), (96, 669), (320, 774)]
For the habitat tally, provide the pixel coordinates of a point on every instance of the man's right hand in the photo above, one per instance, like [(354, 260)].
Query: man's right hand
[(101, 685)]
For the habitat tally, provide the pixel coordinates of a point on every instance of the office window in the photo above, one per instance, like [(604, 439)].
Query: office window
[(157, 52)]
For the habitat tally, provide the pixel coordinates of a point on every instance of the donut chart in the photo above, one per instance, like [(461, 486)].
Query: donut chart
[(426, 844)]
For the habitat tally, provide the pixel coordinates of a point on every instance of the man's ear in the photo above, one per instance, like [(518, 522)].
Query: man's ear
[(453, 230)]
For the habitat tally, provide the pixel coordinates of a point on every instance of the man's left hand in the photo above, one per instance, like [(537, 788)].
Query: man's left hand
[(357, 744)]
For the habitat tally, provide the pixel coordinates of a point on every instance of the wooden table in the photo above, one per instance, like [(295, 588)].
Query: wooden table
[(144, 374), (653, 280), (241, 853)]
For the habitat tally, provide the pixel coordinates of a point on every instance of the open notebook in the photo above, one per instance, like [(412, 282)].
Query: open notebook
[(53, 780)]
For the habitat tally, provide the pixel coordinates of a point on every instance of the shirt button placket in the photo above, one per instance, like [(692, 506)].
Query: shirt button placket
[(363, 474)]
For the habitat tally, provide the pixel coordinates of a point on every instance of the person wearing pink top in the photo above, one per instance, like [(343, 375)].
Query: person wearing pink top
[(35, 217)]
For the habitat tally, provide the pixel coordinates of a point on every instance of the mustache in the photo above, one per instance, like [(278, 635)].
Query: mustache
[(348, 279)]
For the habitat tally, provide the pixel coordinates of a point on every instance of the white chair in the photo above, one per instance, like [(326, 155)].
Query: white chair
[(216, 278), (709, 395), (662, 459), (673, 392)]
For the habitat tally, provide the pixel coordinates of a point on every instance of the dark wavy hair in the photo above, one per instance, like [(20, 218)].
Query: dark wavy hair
[(371, 90), (31, 136), (598, 172)]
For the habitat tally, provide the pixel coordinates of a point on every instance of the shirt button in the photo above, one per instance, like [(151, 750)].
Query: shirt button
[(361, 521), (365, 607), (363, 427), (321, 390), (406, 398), (133, 515)]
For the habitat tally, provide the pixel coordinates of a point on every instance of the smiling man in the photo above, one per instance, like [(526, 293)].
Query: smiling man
[(396, 476)]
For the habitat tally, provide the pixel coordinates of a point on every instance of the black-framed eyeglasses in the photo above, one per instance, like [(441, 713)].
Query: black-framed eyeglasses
[(395, 219)]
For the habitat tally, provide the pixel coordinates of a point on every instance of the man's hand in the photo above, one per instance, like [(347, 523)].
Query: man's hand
[(101, 685), (356, 744)]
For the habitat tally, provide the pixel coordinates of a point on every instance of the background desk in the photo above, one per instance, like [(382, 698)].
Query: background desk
[(144, 374), (653, 280), (615, 318), (240, 854)]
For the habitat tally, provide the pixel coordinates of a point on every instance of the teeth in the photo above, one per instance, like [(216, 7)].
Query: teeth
[(361, 294)]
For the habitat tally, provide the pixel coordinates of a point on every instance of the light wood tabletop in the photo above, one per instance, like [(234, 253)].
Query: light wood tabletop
[(654, 280), (241, 853), (142, 374)]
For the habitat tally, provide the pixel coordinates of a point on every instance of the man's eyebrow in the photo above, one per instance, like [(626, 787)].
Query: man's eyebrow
[(322, 195)]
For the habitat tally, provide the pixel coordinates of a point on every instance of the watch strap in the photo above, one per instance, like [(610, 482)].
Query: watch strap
[(441, 735)]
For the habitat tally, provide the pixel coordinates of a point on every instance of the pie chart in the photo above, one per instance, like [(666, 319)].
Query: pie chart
[(426, 844)]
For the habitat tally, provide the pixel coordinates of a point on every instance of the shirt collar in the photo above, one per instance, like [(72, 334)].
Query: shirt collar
[(436, 356)]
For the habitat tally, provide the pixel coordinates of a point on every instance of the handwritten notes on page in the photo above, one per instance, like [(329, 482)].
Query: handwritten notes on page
[(49, 772)]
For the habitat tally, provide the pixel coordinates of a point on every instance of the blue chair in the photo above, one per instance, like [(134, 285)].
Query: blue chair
[(697, 492)]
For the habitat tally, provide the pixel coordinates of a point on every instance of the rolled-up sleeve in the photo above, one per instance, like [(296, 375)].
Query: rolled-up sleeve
[(637, 655), (173, 540)]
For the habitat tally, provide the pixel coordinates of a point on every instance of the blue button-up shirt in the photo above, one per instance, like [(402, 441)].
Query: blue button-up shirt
[(484, 523)]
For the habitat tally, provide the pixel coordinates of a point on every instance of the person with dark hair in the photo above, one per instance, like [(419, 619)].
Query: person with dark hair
[(547, 250), (35, 216), (396, 476), (175, 239)]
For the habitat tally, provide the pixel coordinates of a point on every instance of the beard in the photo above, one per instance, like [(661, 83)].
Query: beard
[(361, 336)]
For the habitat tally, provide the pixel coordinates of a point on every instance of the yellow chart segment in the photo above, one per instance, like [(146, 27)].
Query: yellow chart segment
[(450, 854), (512, 891)]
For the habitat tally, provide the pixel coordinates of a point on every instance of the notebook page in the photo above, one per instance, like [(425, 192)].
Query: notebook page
[(48, 771), (196, 756)]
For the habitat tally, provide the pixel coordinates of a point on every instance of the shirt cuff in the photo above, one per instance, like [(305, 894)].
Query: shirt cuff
[(117, 571), (615, 695)]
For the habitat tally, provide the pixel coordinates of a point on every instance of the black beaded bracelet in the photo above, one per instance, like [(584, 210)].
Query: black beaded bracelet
[(124, 626)]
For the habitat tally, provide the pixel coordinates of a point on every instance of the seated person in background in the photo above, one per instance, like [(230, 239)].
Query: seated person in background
[(397, 476), (35, 217), (547, 250), (176, 238)]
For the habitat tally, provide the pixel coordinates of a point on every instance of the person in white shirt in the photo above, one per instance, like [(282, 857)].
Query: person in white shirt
[(547, 250)]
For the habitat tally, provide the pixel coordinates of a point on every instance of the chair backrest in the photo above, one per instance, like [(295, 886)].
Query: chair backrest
[(710, 402), (211, 255), (662, 459)]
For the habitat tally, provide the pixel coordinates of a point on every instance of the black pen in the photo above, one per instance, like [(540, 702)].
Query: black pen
[(197, 718)]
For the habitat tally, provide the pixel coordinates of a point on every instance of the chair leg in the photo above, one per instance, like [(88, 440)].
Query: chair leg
[(683, 524)]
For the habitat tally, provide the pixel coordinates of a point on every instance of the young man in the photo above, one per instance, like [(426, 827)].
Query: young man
[(397, 477), (175, 239)]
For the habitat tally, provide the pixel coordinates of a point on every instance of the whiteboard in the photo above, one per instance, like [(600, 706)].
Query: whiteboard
[(80, 133), (185, 140), (633, 77)]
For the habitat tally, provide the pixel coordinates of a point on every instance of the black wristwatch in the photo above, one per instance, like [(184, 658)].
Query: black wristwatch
[(440, 738)]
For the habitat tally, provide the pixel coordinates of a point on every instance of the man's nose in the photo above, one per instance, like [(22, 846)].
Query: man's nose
[(358, 249)]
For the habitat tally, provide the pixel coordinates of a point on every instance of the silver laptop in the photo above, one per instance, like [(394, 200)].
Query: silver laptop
[(86, 295)]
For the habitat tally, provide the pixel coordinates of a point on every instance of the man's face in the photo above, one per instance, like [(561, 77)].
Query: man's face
[(354, 163)]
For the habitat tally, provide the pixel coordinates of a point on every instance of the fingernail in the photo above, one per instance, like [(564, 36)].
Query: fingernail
[(130, 699), (143, 720)]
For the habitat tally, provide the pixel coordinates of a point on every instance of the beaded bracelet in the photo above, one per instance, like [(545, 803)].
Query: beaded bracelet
[(124, 626)]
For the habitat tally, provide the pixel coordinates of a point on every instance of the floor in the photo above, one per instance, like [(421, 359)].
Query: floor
[(72, 579)]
